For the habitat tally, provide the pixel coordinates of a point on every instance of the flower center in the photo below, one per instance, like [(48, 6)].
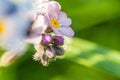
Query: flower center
[(2, 28), (55, 23)]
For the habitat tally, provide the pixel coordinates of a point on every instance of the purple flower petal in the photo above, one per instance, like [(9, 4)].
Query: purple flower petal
[(67, 31), (46, 39), (53, 9), (64, 21), (58, 40), (57, 32)]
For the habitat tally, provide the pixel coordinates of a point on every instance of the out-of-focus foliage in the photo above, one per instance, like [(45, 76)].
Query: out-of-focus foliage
[(96, 20), (92, 55)]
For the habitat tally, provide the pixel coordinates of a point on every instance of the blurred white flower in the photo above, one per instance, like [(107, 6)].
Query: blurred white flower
[(10, 56), (15, 23)]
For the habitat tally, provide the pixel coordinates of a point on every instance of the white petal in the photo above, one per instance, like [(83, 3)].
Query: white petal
[(17, 32), (10, 56), (34, 40), (40, 23)]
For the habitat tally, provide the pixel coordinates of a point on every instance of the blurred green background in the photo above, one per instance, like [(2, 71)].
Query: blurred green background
[(93, 54)]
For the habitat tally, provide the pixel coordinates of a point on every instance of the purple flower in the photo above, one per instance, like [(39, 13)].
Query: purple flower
[(58, 20), (58, 40), (46, 39)]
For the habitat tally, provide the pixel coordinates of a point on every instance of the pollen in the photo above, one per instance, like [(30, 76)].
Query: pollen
[(55, 23)]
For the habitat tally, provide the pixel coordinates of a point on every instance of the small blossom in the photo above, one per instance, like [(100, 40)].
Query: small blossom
[(44, 60), (40, 20), (58, 40), (59, 51), (55, 19), (40, 55), (58, 20), (46, 39), (50, 52)]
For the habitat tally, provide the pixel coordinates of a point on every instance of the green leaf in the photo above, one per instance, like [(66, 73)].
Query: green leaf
[(87, 13), (93, 55), (106, 34), (83, 60)]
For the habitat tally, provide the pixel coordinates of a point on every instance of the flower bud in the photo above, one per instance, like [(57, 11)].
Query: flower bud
[(58, 40), (46, 39), (50, 52), (44, 60), (59, 51)]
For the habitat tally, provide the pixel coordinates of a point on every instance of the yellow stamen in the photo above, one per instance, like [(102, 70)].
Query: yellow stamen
[(55, 23)]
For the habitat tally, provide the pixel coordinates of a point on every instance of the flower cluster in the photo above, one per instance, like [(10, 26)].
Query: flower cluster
[(45, 26), (55, 26)]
